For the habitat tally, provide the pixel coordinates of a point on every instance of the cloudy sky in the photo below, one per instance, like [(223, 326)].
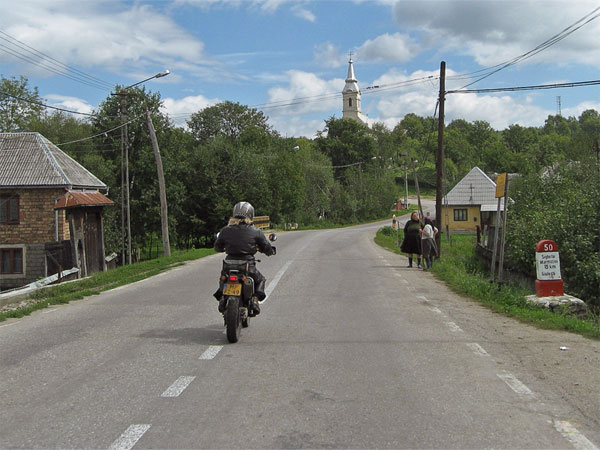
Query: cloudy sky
[(289, 58)]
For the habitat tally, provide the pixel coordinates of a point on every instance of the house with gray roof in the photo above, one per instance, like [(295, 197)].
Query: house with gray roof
[(46, 225), (471, 203)]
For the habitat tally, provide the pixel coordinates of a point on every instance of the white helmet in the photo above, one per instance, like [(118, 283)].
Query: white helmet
[(243, 210)]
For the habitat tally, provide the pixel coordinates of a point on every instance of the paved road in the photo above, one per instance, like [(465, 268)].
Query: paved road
[(352, 350)]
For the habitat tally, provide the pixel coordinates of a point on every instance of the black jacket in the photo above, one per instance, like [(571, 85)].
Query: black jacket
[(242, 241)]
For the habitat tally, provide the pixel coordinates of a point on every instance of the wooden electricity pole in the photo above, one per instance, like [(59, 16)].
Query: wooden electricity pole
[(161, 187), (439, 160)]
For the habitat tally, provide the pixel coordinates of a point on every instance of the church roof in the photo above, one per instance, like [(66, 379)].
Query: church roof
[(351, 81)]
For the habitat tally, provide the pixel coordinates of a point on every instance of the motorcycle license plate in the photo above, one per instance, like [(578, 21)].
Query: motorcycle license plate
[(233, 289)]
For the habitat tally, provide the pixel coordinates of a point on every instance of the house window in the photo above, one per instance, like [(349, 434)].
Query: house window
[(11, 260), (460, 214), (9, 209)]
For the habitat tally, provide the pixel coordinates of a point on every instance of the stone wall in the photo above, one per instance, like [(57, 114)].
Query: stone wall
[(36, 217), (36, 227), (34, 268)]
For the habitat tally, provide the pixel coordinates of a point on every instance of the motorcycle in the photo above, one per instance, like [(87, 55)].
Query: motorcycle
[(238, 291)]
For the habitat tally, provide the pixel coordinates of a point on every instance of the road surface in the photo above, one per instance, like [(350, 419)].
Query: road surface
[(352, 350)]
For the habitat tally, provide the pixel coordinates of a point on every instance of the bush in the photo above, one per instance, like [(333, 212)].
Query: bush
[(554, 206), (388, 231)]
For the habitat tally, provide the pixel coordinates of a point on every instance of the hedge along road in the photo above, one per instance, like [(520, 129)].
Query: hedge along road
[(352, 350)]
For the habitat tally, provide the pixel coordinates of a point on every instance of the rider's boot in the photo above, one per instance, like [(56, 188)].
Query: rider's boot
[(222, 305), (254, 309)]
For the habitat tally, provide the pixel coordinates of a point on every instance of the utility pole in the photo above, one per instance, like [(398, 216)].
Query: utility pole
[(125, 208), (161, 187), (439, 160), (122, 100)]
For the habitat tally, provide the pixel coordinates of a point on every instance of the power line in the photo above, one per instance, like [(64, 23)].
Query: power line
[(543, 46), (526, 88), (29, 54), (34, 102), (102, 132)]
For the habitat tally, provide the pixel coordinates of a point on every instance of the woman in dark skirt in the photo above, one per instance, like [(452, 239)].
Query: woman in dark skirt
[(412, 239)]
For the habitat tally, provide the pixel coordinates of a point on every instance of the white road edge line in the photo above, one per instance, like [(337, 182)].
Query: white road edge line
[(8, 325), (570, 433), (515, 384), (130, 437), (477, 349), (178, 387), (211, 352), (273, 283)]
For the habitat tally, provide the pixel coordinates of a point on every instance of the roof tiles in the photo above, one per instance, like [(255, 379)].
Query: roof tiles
[(31, 160)]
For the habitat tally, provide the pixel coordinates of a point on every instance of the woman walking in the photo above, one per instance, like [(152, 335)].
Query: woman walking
[(412, 239), (428, 243)]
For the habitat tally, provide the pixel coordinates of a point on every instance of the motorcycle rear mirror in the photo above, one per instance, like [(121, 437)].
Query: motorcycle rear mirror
[(273, 237)]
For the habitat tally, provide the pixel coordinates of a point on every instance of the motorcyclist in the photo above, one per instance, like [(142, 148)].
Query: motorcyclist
[(241, 240)]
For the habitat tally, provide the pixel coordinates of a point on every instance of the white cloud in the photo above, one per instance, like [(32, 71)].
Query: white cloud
[(296, 126), (328, 55), (306, 93), (70, 103), (303, 13), (405, 96), (395, 47), (183, 108), (493, 31), (91, 35)]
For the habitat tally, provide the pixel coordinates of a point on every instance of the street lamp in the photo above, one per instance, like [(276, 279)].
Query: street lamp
[(125, 207)]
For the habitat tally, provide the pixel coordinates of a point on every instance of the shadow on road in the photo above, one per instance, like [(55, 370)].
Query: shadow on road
[(210, 335)]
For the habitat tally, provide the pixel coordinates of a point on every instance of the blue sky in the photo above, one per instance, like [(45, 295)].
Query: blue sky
[(259, 52)]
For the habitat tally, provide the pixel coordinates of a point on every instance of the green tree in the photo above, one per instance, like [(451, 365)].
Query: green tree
[(19, 104), (226, 119), (143, 183), (347, 143)]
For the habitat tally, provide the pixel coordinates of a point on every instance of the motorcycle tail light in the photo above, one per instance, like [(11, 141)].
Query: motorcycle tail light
[(232, 278)]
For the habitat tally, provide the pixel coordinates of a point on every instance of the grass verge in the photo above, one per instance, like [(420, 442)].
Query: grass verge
[(464, 274), (104, 281)]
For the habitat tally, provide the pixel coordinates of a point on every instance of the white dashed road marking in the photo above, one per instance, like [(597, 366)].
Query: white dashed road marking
[(570, 433), (477, 349), (454, 327), (211, 352), (515, 384), (129, 438), (178, 387), (435, 309)]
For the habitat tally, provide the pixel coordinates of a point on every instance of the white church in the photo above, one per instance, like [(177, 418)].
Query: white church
[(351, 97)]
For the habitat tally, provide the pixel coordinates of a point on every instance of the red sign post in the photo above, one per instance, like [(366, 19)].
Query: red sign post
[(549, 282)]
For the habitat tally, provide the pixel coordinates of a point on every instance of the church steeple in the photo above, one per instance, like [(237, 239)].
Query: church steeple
[(351, 96)]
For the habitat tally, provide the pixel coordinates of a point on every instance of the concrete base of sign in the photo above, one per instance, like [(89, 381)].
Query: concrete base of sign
[(564, 304)]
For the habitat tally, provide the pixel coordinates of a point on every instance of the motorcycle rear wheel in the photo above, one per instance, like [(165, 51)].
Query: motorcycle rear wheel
[(233, 321)]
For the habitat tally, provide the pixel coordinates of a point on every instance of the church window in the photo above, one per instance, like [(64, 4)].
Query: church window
[(350, 102)]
